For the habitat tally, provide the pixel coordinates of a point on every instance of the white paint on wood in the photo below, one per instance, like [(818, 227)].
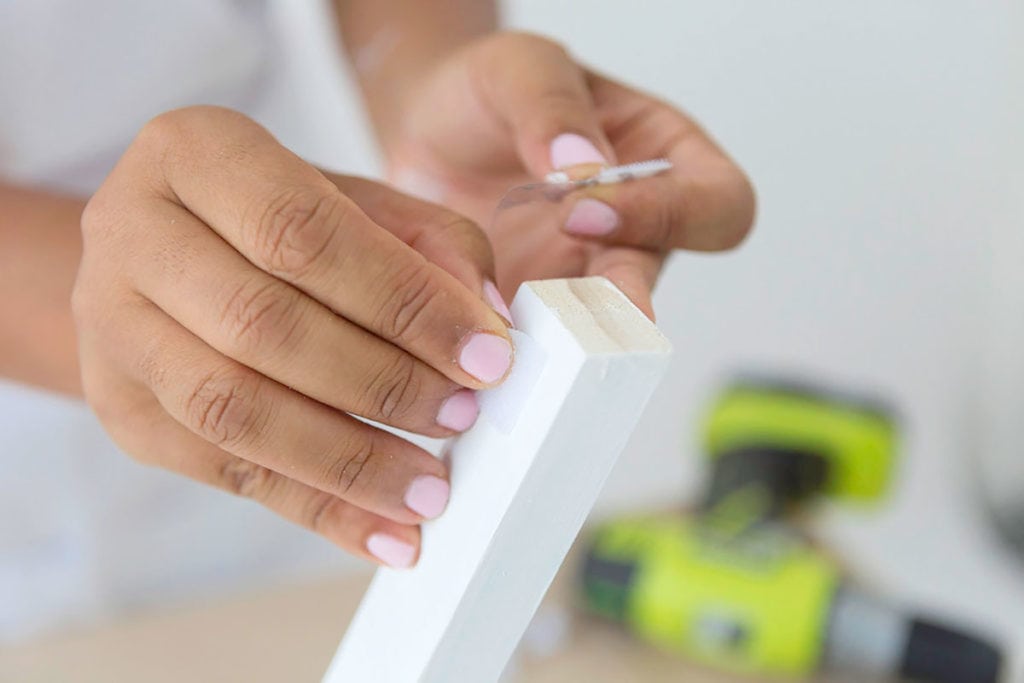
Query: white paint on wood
[(518, 498), (502, 405)]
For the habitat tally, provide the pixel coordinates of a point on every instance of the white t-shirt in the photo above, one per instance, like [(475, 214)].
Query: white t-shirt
[(83, 529)]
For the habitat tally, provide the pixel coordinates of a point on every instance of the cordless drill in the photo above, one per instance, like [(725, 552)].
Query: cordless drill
[(735, 587)]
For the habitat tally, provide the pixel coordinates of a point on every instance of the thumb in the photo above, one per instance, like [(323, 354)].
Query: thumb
[(544, 98), (446, 239)]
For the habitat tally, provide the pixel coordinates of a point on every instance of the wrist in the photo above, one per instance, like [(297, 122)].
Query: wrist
[(40, 247)]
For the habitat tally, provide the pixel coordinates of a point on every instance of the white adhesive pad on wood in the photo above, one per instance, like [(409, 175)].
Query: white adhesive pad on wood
[(519, 497), (502, 405)]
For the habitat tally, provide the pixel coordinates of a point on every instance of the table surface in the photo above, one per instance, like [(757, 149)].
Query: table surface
[(290, 634)]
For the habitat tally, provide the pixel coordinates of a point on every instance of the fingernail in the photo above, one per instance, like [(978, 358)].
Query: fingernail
[(391, 551), (591, 217), (427, 496), (570, 149), (459, 411), (494, 298), (486, 356)]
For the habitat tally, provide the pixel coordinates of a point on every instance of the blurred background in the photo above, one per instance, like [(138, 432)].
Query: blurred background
[(884, 141)]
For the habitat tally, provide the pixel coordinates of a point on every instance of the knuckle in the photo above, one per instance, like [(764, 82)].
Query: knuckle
[(162, 131), (170, 127), (453, 232), (457, 226), (261, 317), (319, 512), (150, 365), (224, 408), (244, 478), (295, 228), (106, 220), (349, 469), (411, 294), (177, 136), (94, 217), (394, 390), (468, 235), (106, 235), (81, 304)]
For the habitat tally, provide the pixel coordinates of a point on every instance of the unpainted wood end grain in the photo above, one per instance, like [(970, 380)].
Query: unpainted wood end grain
[(601, 318)]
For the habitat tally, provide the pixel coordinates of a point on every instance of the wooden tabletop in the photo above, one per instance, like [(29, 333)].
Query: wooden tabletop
[(289, 634)]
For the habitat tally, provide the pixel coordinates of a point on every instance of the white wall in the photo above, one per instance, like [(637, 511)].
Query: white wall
[(1000, 430), (879, 136)]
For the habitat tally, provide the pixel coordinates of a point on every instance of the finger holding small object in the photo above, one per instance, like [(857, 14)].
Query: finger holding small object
[(704, 202), (710, 210)]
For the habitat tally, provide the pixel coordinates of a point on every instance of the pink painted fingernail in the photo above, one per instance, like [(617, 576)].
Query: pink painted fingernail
[(591, 217), (459, 411), (570, 149), (486, 356), (427, 496), (391, 551), (496, 301)]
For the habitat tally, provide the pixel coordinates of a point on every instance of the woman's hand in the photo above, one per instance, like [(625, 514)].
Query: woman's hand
[(236, 308), (510, 108)]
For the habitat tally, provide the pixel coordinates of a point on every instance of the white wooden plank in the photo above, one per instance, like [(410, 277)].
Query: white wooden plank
[(518, 498)]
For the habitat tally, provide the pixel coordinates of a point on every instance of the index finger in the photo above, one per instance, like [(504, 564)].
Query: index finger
[(290, 221)]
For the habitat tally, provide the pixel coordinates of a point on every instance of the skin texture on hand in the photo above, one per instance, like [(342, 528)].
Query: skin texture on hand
[(236, 307), (510, 108)]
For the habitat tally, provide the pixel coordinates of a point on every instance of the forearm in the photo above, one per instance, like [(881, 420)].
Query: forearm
[(40, 247), (392, 42)]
